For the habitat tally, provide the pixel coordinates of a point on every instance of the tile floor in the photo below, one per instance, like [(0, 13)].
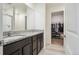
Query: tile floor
[(53, 49)]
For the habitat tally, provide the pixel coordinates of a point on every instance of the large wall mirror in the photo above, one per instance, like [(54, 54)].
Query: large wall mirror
[(14, 17)]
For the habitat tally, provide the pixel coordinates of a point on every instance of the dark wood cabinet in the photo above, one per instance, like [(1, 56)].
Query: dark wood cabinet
[(27, 49), (17, 52), (35, 52), (34, 45), (28, 46), (40, 42), (12, 47), (34, 42)]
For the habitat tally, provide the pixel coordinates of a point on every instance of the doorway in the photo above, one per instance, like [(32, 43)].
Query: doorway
[(57, 28)]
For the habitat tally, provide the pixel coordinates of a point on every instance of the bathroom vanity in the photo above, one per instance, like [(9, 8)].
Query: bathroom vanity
[(22, 41), (29, 44)]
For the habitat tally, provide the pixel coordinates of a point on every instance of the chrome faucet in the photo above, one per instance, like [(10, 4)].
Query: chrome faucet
[(1, 42), (8, 34)]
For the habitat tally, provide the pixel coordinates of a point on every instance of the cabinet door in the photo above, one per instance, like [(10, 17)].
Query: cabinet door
[(18, 52), (34, 42), (38, 44), (41, 42), (35, 52), (27, 49), (10, 48)]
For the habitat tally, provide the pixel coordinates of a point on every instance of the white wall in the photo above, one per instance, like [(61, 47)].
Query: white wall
[(1, 29), (36, 17), (50, 8), (30, 18), (39, 16), (72, 28)]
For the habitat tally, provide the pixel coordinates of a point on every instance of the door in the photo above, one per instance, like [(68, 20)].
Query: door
[(1, 46), (71, 40)]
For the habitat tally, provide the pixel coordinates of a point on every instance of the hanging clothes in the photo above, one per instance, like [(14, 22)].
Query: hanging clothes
[(56, 27)]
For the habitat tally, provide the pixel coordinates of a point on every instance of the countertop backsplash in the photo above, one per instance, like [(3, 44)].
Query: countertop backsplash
[(5, 34)]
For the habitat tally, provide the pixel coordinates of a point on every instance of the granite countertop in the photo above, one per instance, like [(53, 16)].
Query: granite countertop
[(20, 36)]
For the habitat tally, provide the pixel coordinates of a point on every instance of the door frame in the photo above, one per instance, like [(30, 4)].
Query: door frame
[(64, 23), (1, 29)]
